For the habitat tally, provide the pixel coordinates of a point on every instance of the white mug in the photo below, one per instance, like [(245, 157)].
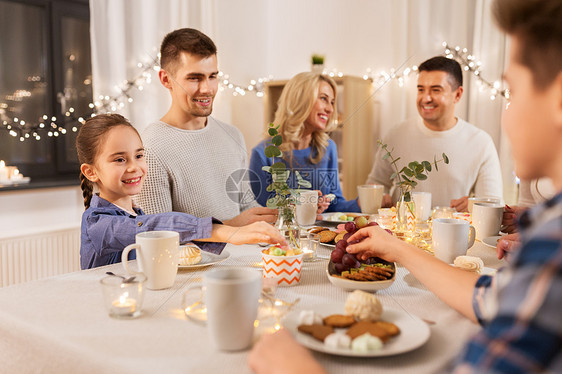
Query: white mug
[(481, 199), (487, 219), (231, 296), (157, 257), (451, 238), (422, 202), (307, 207), (370, 197)]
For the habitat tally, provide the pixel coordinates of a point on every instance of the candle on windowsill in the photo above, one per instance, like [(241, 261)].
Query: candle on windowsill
[(4, 171)]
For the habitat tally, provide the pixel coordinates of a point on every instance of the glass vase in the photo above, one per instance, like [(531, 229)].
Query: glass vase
[(288, 226), (405, 214)]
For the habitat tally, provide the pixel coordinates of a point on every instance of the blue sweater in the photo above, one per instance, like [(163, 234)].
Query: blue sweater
[(323, 176), (108, 229)]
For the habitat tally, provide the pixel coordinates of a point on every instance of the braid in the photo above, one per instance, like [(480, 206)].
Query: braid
[(87, 190)]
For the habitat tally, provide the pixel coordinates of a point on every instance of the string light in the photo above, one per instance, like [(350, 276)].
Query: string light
[(23, 130)]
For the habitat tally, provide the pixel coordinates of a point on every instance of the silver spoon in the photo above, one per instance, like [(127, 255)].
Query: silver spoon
[(125, 280)]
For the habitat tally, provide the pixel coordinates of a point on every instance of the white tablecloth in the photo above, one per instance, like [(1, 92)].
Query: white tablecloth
[(60, 325)]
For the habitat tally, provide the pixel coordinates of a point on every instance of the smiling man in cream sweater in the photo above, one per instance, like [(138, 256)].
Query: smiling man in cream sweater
[(474, 165)]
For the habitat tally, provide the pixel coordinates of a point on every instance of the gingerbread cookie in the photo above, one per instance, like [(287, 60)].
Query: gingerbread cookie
[(339, 320)]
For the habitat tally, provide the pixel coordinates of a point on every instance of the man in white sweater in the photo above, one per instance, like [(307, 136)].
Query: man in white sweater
[(196, 164), (474, 165)]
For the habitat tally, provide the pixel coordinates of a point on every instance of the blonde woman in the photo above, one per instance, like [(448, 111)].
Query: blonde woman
[(305, 116)]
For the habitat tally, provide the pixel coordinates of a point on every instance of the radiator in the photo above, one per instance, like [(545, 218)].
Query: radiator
[(31, 257)]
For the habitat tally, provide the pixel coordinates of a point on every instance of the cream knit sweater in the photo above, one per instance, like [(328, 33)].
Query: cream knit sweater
[(200, 172), (474, 164)]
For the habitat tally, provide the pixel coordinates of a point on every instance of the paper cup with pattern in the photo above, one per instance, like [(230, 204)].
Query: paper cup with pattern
[(286, 269)]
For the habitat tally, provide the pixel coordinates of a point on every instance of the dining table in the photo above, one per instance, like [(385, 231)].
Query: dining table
[(60, 324)]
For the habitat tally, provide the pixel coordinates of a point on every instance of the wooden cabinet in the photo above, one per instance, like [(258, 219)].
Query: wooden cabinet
[(355, 136)]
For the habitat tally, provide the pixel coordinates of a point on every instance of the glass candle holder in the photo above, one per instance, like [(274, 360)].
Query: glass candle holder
[(309, 246), (123, 299)]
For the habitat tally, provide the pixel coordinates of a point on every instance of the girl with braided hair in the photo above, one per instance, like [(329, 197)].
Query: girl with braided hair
[(113, 169)]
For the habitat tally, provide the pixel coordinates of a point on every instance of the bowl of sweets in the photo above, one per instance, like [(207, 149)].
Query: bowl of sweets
[(346, 271), (283, 264)]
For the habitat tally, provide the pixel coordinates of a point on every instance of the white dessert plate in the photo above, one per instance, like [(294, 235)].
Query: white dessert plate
[(413, 332), (207, 259), (491, 241), (333, 217)]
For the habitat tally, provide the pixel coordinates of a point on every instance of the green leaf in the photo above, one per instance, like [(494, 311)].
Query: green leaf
[(427, 165), (386, 156), (412, 165), (445, 158), (407, 180), (272, 131), (273, 202), (266, 169), (277, 140), (421, 177), (270, 188), (435, 163), (394, 175), (279, 166), (414, 184), (269, 151), (408, 172)]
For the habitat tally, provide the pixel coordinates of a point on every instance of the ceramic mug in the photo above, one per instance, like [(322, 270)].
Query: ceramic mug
[(307, 207), (157, 257), (481, 199), (451, 238), (487, 219), (370, 197), (231, 297)]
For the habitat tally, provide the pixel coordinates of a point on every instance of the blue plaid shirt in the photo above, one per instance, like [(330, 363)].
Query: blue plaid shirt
[(520, 308), (107, 229)]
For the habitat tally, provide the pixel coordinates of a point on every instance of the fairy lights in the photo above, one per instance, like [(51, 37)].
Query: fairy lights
[(55, 127), (469, 63)]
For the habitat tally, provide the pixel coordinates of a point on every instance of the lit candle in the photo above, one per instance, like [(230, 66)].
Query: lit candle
[(16, 176), (124, 306), (307, 254), (3, 171)]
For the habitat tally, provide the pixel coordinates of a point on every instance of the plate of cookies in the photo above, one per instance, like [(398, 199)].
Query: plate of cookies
[(358, 328), (328, 237), (192, 257)]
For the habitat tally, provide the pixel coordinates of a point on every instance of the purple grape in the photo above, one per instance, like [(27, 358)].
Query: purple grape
[(372, 224), (342, 244), (340, 267), (347, 236), (350, 227), (337, 255), (349, 260)]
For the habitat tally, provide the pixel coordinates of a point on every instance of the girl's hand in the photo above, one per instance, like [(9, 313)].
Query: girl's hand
[(373, 241), (257, 232)]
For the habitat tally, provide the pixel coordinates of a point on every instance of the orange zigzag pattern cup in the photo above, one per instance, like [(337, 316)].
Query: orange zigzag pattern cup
[(286, 269)]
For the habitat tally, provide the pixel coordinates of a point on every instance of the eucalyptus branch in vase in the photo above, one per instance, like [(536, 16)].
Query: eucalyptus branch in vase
[(405, 178), (285, 197)]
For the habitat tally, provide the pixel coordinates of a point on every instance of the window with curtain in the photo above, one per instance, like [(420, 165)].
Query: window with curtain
[(45, 85)]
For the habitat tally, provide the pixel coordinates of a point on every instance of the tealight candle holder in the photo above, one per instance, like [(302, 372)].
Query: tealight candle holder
[(123, 299), (309, 246)]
